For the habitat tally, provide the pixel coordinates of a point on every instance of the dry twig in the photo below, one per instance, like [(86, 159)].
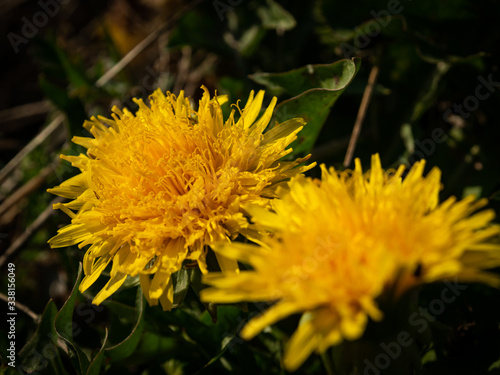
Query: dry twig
[(365, 101), (25, 110), (26, 189), (134, 52), (44, 134), (18, 242), (20, 306)]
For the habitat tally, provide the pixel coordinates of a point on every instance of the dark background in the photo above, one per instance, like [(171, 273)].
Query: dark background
[(434, 58)]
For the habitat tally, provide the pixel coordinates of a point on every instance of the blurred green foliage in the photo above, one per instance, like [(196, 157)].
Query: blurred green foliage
[(436, 97)]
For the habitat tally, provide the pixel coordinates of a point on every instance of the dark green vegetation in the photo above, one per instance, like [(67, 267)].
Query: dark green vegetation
[(433, 72)]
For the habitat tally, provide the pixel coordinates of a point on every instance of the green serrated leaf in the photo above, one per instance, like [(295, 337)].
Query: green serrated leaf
[(316, 89), (335, 76), (127, 346), (40, 353), (126, 312), (63, 324), (95, 365), (152, 346)]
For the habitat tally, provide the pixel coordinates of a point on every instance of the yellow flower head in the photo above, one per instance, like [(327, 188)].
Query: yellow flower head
[(159, 186), (340, 242)]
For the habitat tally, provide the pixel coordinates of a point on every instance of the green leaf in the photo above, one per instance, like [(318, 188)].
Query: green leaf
[(181, 281), (174, 367), (495, 365), (95, 365), (197, 285), (60, 64), (126, 312), (196, 282), (335, 76), (75, 74), (225, 331), (495, 196), (41, 351), (162, 323), (406, 133), (316, 88), (477, 191), (250, 40), (63, 325), (127, 346), (152, 346), (72, 107), (226, 345), (429, 357), (274, 16)]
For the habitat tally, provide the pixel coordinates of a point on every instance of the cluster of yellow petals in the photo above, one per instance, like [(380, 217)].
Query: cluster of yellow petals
[(339, 243), (159, 186)]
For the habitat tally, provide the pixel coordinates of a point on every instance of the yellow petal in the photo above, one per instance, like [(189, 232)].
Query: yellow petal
[(112, 286), (270, 316), (303, 342), (167, 298), (97, 269), (227, 265), (160, 281)]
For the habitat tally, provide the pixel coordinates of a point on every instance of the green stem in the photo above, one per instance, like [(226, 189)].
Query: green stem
[(327, 362)]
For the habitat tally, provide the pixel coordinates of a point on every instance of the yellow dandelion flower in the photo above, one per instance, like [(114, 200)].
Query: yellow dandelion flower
[(158, 187), (340, 242)]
